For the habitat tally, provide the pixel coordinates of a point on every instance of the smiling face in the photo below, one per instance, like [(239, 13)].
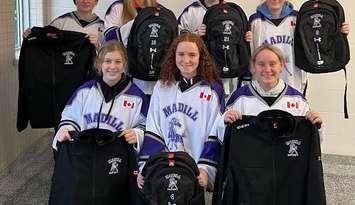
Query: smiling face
[(187, 58), (266, 68), (85, 6), (112, 67)]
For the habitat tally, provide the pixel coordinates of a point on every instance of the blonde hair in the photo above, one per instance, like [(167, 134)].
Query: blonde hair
[(271, 48), (129, 10), (108, 47)]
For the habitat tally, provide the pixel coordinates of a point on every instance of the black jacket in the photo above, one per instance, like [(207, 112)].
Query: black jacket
[(271, 159), (52, 64), (96, 168)]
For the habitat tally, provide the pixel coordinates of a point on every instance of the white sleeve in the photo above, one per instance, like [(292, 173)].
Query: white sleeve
[(55, 140), (58, 23), (114, 16), (187, 22), (125, 30), (138, 124)]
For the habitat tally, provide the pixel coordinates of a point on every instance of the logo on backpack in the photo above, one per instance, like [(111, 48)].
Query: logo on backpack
[(155, 29), (173, 181), (152, 31), (226, 25), (320, 47), (316, 20)]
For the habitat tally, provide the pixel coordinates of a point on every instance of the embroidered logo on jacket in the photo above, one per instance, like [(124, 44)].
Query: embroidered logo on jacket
[(68, 57), (293, 146), (114, 165)]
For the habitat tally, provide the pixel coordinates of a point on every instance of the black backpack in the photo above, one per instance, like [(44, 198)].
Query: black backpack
[(151, 34), (319, 46), (171, 178), (226, 25)]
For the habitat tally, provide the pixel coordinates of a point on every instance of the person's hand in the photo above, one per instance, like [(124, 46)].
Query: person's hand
[(201, 30), (130, 136), (93, 39), (314, 117), (202, 177), (248, 37), (63, 135), (26, 33), (231, 116), (345, 28), (140, 180)]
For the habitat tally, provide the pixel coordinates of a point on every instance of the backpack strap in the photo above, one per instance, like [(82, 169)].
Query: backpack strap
[(346, 114)]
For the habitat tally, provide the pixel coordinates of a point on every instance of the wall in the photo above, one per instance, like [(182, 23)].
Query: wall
[(12, 143), (325, 91)]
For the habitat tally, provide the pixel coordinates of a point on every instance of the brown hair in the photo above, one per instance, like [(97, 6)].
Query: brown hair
[(110, 46), (206, 68), (129, 10)]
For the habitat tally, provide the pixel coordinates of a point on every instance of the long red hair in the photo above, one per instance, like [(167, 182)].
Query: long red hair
[(206, 68)]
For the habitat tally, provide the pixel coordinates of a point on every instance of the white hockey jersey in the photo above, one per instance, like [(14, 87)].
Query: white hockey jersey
[(281, 36), (114, 14), (71, 22), (181, 121), (87, 109), (192, 17), (248, 101)]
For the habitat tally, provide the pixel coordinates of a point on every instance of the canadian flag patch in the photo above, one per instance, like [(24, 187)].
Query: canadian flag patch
[(291, 105), (293, 23), (204, 96), (128, 104)]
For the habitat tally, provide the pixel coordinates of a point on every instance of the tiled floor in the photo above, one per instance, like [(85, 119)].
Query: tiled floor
[(27, 181)]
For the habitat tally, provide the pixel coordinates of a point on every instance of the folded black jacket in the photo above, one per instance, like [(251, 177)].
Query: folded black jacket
[(52, 64), (271, 159)]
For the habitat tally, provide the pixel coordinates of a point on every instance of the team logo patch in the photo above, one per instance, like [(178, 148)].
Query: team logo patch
[(316, 20), (128, 104), (293, 146), (154, 30), (114, 162), (205, 96), (227, 27), (68, 57), (173, 180)]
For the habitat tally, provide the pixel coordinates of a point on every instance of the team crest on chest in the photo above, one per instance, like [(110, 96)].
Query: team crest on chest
[(293, 146), (114, 162), (68, 57), (174, 134)]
